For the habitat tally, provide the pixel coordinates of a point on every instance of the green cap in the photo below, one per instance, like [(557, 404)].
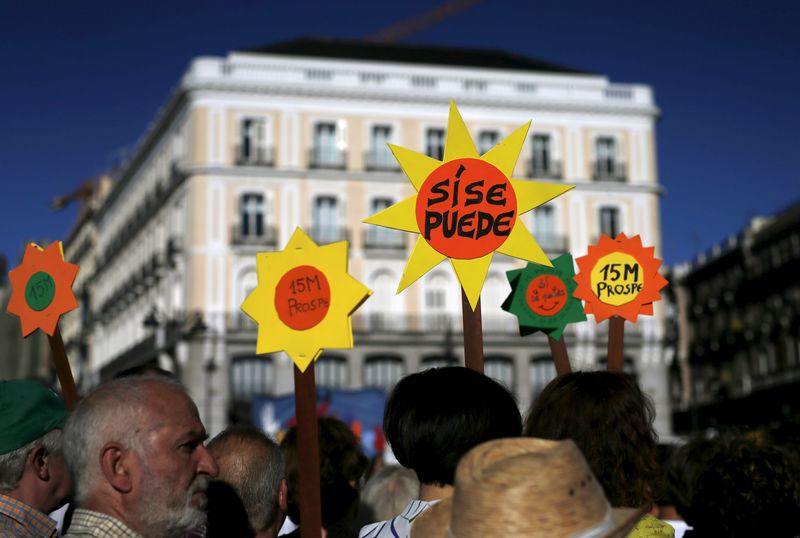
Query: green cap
[(28, 410)]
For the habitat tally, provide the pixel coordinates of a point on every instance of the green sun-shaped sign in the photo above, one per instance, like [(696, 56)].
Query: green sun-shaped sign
[(542, 297)]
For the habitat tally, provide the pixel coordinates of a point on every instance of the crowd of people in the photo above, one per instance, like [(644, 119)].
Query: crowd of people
[(133, 460)]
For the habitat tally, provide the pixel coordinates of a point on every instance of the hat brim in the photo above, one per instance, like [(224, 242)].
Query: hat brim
[(434, 522)]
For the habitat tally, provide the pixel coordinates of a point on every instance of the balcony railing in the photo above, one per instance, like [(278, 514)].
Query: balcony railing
[(266, 236), (609, 171), (376, 238), (329, 234), (327, 158), (380, 160), (552, 243), (540, 170), (258, 156), (396, 323)]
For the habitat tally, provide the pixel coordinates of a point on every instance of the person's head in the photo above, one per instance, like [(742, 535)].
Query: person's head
[(135, 448), (525, 488), (611, 421), (735, 485), (434, 417), (32, 467), (388, 491), (252, 464), (342, 464)]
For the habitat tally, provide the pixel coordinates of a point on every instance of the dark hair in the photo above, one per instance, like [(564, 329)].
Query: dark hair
[(611, 421), (434, 417), (252, 464), (738, 486), (341, 461)]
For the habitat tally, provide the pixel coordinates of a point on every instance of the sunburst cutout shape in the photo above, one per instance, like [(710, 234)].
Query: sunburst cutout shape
[(619, 277), (466, 207), (304, 299), (42, 288)]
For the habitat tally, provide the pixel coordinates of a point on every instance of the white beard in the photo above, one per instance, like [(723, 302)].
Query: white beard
[(164, 515)]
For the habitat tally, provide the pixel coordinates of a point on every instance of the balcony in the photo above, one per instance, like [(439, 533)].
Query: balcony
[(609, 171), (544, 170), (267, 236), (552, 243), (249, 156), (380, 160), (382, 239), (326, 158), (329, 234)]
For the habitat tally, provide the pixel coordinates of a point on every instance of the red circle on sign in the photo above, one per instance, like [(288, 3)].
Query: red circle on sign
[(466, 208), (302, 297), (546, 295)]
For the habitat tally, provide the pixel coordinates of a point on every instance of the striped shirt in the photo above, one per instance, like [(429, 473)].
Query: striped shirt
[(19, 520), (399, 527), (88, 524)]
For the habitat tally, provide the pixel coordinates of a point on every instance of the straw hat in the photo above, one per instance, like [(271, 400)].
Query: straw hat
[(528, 488)]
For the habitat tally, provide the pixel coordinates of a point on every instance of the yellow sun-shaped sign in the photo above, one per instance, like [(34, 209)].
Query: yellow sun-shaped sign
[(304, 299), (466, 207)]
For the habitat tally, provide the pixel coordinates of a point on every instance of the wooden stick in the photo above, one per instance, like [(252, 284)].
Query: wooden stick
[(473, 334), (558, 348), (616, 342), (305, 405), (63, 371)]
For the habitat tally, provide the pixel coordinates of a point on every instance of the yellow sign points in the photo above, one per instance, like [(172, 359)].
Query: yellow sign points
[(466, 207), (304, 299)]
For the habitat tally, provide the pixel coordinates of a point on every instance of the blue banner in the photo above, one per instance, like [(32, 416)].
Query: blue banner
[(362, 410)]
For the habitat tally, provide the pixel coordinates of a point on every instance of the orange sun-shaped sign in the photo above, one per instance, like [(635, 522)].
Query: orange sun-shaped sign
[(619, 277), (42, 288), (467, 207)]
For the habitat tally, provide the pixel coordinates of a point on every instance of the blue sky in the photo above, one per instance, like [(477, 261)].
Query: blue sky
[(81, 81)]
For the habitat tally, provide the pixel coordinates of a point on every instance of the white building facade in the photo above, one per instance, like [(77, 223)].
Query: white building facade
[(255, 144)]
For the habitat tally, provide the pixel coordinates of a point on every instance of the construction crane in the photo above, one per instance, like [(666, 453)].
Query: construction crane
[(401, 30), (82, 193)]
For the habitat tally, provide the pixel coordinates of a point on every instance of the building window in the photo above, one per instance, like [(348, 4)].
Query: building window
[(379, 156), (379, 306), (252, 147), (325, 227), (379, 237), (434, 142), (251, 376), (331, 371), (487, 140), (540, 155), (436, 317), (609, 221), (606, 167), (542, 371), (326, 152), (437, 361), (251, 212), (382, 371), (544, 229), (501, 369)]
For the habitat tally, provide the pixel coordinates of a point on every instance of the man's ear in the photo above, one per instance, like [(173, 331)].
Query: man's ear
[(115, 467), (39, 461), (283, 496)]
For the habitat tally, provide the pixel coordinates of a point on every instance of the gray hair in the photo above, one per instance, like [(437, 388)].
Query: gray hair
[(389, 491), (12, 464), (252, 464), (112, 412)]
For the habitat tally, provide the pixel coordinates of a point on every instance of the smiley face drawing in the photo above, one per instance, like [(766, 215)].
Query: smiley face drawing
[(546, 295)]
